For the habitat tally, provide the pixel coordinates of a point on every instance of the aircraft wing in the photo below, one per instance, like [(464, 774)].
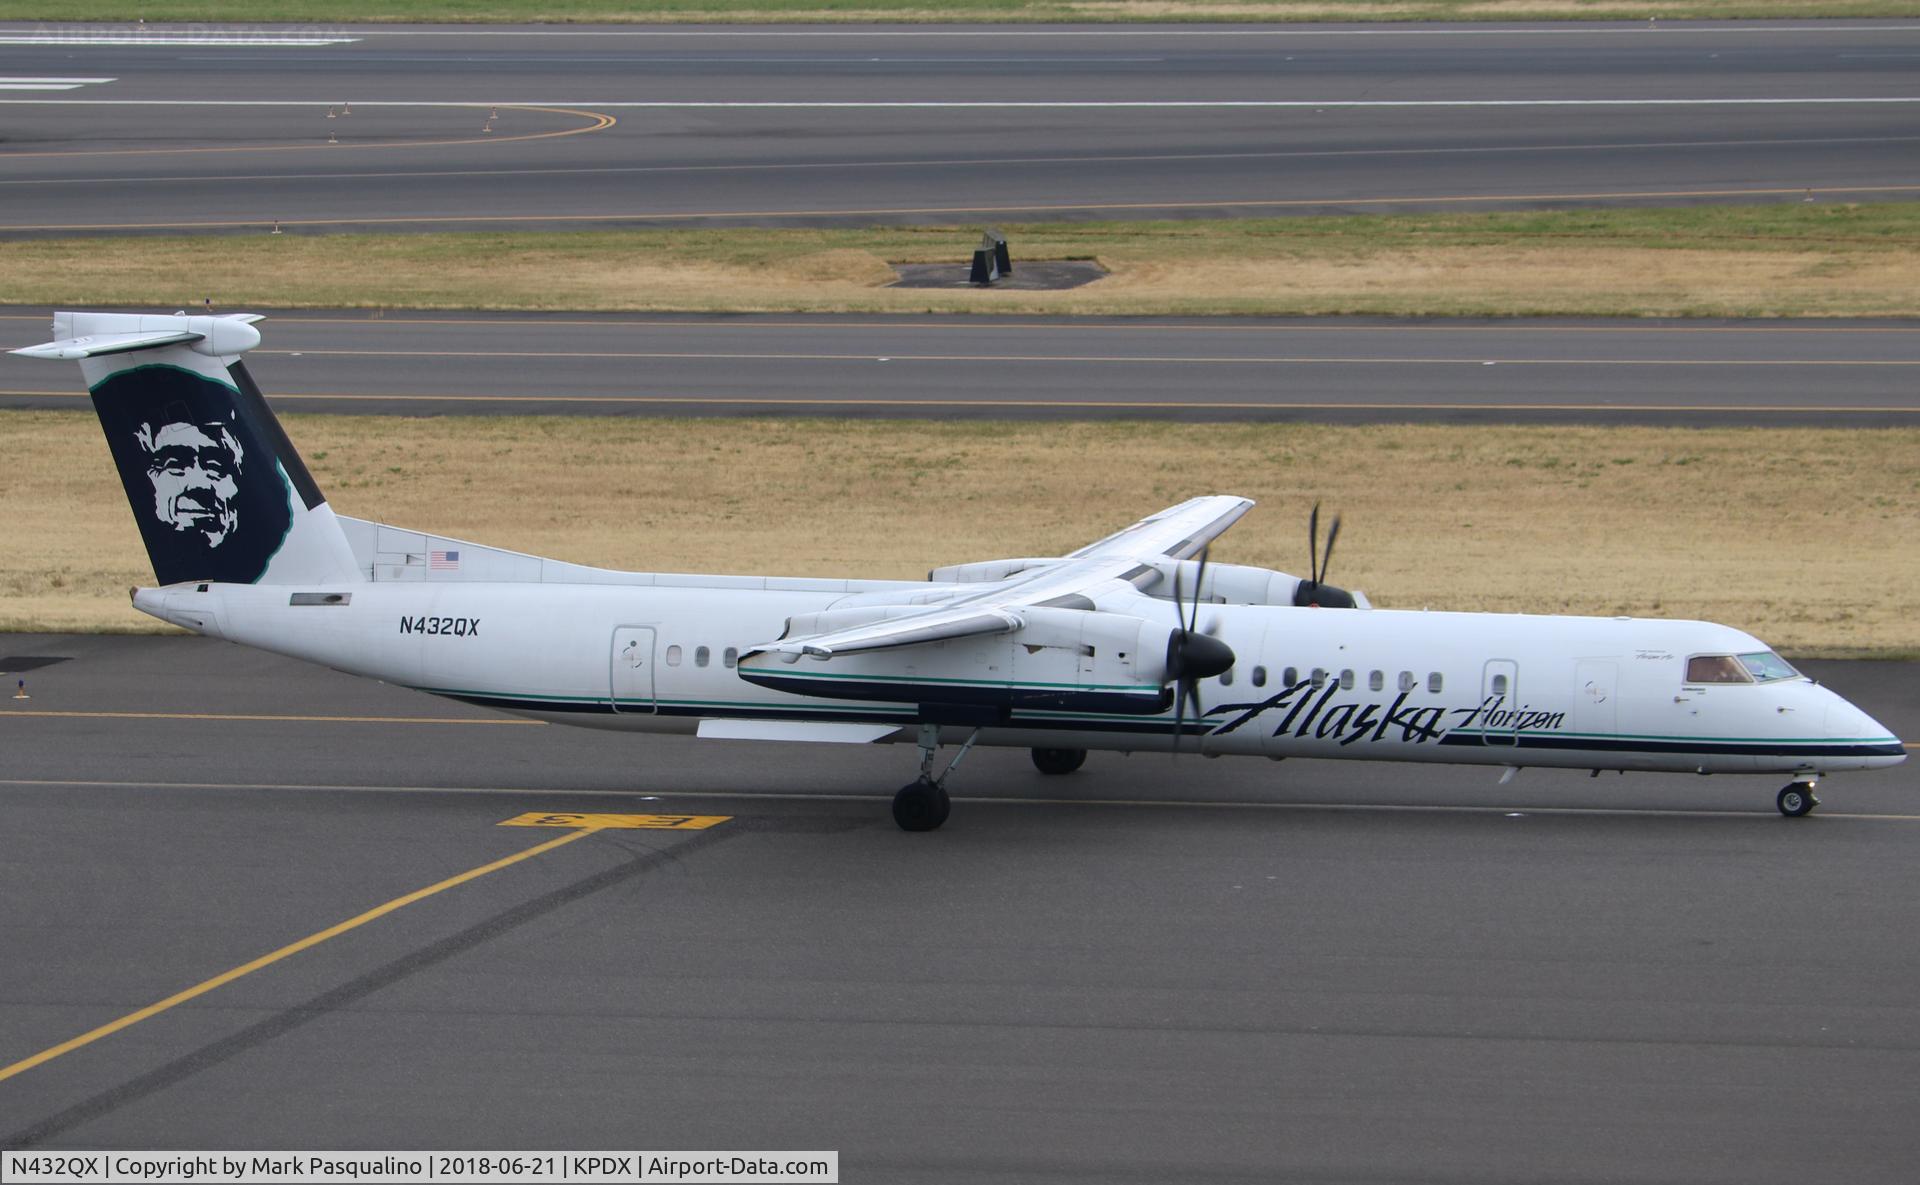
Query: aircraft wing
[(1178, 532), (1074, 582)]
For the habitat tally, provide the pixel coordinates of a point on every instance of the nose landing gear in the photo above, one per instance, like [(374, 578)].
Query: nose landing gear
[(1797, 799), (922, 805)]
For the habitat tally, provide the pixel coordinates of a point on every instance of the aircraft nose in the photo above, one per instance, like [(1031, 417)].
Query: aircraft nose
[(1848, 723)]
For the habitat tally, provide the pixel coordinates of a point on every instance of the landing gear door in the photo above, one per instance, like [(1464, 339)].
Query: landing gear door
[(1500, 694), (631, 686)]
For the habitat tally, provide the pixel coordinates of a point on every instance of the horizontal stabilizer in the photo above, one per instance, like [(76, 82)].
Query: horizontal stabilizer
[(75, 348), (95, 335)]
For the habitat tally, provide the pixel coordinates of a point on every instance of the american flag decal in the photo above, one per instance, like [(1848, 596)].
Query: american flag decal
[(443, 561)]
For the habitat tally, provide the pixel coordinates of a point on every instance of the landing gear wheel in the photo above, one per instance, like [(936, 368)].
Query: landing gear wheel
[(1059, 761), (920, 806), (1796, 799)]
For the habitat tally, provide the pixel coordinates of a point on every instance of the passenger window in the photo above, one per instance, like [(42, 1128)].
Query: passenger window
[(1346, 679), (1433, 683), (1407, 681), (729, 657), (1290, 676), (701, 655), (1259, 676), (1376, 680), (1319, 678), (673, 656), (1716, 668), (1499, 685), (1226, 677)]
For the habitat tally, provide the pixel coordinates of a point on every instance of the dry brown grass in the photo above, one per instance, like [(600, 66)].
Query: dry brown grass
[(1805, 537)]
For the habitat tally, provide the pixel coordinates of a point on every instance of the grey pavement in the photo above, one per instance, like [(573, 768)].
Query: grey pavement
[(836, 126), (1151, 970), (1778, 373)]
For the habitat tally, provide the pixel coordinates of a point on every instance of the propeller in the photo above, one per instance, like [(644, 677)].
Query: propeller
[(1193, 654), (1314, 590)]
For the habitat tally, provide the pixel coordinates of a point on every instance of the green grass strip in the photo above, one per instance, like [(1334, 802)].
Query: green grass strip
[(1816, 258)]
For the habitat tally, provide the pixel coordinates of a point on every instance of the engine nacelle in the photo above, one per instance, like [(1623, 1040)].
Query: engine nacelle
[(1237, 584)]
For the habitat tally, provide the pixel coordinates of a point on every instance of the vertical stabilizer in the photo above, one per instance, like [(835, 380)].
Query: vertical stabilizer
[(217, 489)]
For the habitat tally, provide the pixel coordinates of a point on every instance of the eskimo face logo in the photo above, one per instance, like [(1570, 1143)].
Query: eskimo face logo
[(211, 498), (195, 471)]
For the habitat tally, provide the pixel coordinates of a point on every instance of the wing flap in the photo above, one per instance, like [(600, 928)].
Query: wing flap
[(933, 625)]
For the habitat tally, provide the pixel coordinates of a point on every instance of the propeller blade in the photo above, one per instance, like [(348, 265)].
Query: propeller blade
[(1179, 714), (1313, 544), (1333, 533)]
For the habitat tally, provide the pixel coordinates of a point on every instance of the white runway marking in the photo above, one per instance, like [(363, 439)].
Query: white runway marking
[(48, 84), (166, 38), (995, 104)]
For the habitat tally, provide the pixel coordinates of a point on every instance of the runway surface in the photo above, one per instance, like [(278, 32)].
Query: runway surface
[(1855, 374), (453, 127), (1150, 970)]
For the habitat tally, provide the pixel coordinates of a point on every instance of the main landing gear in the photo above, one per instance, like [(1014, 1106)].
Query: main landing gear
[(923, 805), (1059, 761), (1796, 799)]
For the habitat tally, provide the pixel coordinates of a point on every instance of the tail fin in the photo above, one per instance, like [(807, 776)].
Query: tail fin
[(217, 489)]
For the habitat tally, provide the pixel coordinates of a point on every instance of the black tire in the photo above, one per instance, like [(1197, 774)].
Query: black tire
[(1059, 761), (1796, 799), (920, 806)]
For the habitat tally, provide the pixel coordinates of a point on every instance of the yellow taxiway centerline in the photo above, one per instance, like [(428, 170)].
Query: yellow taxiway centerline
[(603, 122), (292, 948), (1017, 404)]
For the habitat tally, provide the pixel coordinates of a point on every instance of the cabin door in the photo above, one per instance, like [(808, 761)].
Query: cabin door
[(631, 681)]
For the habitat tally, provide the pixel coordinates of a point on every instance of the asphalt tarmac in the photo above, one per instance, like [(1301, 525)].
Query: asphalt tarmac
[(452, 127), (1151, 970), (1775, 373)]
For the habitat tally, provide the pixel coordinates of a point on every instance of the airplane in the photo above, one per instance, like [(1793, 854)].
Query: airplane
[(1135, 642)]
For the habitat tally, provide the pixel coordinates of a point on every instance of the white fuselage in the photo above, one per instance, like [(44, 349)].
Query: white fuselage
[(1499, 689)]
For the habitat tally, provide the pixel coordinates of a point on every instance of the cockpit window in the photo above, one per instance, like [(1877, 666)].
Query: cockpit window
[(1716, 668), (1767, 666)]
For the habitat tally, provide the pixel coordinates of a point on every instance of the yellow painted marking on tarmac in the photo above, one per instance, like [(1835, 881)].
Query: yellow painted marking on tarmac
[(292, 948), (935, 162), (1018, 404), (611, 822), (601, 122), (892, 211), (261, 716)]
